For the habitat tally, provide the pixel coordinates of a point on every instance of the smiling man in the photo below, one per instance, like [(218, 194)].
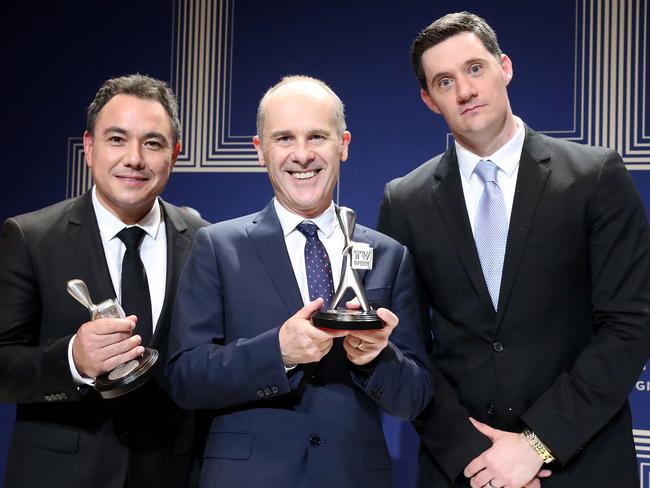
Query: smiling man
[(295, 405), (66, 435), (534, 255)]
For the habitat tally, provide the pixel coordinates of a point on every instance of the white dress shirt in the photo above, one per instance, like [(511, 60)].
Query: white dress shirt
[(507, 160), (330, 234), (153, 252)]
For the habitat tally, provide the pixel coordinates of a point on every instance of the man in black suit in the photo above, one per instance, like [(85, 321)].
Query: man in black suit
[(534, 257), (65, 433)]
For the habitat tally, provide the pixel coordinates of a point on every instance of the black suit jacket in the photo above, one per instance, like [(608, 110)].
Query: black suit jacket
[(572, 332), (65, 435)]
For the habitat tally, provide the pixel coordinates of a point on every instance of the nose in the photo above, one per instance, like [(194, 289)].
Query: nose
[(302, 154), (465, 90), (133, 157)]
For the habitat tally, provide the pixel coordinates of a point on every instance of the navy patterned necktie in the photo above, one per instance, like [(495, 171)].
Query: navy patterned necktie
[(135, 289), (317, 264), (491, 228)]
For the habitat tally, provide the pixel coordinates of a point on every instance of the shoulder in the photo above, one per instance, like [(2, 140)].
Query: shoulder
[(420, 179), (381, 240), (47, 218)]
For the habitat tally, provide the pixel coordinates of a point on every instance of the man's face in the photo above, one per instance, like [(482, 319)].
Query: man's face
[(130, 155), (466, 84), (301, 148)]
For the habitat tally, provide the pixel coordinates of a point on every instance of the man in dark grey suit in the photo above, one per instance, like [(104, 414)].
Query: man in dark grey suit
[(534, 256), (65, 433)]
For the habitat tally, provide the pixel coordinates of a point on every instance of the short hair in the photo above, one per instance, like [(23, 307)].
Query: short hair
[(339, 108), (140, 86), (446, 27)]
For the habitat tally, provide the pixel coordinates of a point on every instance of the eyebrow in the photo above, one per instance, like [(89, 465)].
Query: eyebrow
[(467, 63), (148, 135)]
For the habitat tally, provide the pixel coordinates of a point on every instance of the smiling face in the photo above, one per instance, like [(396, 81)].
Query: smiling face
[(130, 155), (466, 84), (300, 146)]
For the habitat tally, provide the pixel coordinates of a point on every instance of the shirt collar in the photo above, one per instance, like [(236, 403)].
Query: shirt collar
[(326, 221), (110, 225), (506, 157)]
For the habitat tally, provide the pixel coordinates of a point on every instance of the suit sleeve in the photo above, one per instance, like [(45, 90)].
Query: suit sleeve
[(203, 371), (33, 370), (444, 427), (583, 399), (400, 383)]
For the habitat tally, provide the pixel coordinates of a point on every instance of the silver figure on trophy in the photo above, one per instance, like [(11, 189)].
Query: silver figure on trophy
[(342, 318), (127, 376)]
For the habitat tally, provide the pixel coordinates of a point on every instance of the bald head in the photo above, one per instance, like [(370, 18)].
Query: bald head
[(308, 86)]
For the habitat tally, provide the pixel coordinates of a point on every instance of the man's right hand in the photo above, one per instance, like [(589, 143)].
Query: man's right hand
[(103, 344), (301, 342)]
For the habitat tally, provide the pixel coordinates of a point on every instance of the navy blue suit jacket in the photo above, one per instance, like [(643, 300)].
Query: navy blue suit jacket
[(316, 425)]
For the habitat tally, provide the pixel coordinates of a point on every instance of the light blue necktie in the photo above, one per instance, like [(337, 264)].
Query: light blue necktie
[(491, 228)]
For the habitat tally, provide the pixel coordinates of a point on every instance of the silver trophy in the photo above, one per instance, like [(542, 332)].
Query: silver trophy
[(343, 318), (127, 376)]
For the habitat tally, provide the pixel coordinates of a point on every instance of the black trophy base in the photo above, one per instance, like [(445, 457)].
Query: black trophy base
[(344, 319), (128, 376)]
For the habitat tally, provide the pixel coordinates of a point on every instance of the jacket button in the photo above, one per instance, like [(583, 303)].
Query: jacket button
[(315, 441), (260, 393), (376, 392), (497, 346), (491, 410), (267, 392)]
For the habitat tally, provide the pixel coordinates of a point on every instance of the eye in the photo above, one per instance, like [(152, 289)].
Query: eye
[(116, 140), (475, 69), (155, 145), (444, 82), (316, 137)]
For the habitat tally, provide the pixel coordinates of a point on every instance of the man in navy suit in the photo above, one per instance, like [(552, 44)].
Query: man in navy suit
[(294, 405)]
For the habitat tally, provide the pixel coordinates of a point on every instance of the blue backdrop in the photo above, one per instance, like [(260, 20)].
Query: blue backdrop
[(580, 71)]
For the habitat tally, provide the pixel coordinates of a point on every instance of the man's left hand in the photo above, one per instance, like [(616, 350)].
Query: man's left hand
[(510, 462), (362, 346)]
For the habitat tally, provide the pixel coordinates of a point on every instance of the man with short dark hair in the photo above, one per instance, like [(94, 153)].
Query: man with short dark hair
[(295, 405), (50, 353), (534, 255)]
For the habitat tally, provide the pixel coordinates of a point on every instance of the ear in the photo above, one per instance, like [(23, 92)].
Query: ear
[(345, 144), (257, 142), (506, 68), (175, 153), (428, 101), (88, 148)]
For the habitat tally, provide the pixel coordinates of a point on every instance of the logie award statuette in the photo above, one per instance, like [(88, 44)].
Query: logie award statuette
[(127, 376), (342, 318)]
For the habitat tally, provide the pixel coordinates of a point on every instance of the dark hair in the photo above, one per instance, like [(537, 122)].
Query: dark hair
[(446, 27), (140, 86)]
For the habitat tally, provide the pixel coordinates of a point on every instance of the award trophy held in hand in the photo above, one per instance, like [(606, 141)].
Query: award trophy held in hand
[(127, 376), (342, 318)]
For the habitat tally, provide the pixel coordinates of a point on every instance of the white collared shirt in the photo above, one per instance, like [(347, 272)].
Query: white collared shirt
[(153, 252), (330, 234), (506, 158)]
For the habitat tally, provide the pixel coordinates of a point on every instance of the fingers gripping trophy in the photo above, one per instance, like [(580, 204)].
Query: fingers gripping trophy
[(342, 318), (129, 375)]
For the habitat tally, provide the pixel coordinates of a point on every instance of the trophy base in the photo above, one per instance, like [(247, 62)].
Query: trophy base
[(127, 376), (344, 319)]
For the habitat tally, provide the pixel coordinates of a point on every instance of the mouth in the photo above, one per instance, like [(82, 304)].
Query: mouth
[(472, 109), (304, 175), (132, 179)]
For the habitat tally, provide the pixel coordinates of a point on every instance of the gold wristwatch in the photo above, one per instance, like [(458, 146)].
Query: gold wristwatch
[(538, 445)]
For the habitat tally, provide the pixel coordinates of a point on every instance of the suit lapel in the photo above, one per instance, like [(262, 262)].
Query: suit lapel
[(448, 196), (83, 232), (533, 175), (266, 235), (178, 246)]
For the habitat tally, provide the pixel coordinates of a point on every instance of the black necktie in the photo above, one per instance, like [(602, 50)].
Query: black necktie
[(317, 264), (135, 290)]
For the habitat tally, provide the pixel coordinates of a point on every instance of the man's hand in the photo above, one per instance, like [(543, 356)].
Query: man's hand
[(362, 346), (103, 344), (301, 342), (511, 462)]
